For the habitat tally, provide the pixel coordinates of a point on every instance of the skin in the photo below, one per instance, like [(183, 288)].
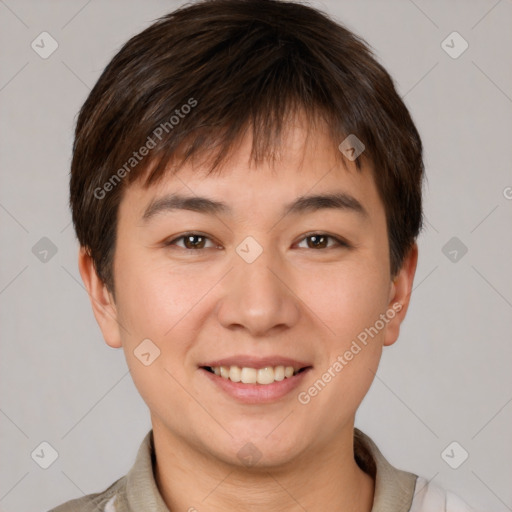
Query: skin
[(295, 300)]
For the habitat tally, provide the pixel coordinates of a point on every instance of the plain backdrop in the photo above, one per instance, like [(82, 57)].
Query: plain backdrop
[(448, 377)]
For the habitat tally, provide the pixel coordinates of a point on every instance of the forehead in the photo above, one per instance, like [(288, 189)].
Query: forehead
[(308, 163)]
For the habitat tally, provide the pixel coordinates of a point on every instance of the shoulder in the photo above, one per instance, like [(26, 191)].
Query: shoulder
[(106, 501), (429, 497), (126, 494)]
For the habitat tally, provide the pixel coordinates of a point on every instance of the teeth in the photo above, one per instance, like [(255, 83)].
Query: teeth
[(247, 375), (279, 373), (235, 374), (265, 375)]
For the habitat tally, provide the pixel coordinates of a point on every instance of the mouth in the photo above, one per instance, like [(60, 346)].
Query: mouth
[(255, 380), (249, 375)]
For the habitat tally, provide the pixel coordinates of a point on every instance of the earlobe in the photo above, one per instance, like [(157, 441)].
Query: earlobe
[(102, 302), (400, 295)]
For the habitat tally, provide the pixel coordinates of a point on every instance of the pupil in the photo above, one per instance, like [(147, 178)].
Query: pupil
[(189, 240), (315, 240)]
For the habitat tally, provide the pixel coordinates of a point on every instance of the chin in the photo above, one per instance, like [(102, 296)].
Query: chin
[(255, 451)]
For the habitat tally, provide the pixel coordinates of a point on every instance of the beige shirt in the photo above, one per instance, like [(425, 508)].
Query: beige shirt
[(395, 490)]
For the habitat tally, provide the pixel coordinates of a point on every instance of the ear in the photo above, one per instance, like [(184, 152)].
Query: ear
[(400, 295), (102, 301)]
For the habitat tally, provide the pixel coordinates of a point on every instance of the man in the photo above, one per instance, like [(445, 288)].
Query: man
[(246, 191)]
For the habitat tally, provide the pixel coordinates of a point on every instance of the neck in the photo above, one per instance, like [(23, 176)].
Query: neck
[(328, 479)]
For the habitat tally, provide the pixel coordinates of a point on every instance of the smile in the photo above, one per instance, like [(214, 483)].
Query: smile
[(248, 375)]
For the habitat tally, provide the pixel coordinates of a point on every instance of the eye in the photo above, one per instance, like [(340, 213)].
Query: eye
[(197, 241), (320, 240), (192, 241)]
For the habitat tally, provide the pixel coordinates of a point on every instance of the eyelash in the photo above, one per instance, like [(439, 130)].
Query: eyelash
[(339, 242)]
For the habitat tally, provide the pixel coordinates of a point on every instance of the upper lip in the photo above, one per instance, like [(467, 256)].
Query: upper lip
[(256, 362)]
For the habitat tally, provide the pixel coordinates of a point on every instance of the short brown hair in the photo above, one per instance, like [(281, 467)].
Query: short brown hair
[(237, 65)]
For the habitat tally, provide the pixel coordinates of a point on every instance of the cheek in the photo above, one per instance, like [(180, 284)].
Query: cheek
[(348, 301), (160, 304), (350, 305), (156, 298)]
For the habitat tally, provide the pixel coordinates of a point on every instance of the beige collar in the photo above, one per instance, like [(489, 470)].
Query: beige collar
[(394, 489)]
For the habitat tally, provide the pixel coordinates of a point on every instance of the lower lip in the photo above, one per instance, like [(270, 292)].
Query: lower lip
[(256, 393)]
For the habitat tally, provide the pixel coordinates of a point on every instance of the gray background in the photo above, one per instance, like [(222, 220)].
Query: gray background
[(447, 379)]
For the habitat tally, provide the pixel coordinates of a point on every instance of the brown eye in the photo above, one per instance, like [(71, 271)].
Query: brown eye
[(317, 241), (191, 241), (320, 241), (194, 241)]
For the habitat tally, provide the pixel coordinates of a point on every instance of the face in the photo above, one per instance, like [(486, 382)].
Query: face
[(258, 285)]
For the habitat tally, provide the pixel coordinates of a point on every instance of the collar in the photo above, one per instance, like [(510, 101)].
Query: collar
[(394, 489)]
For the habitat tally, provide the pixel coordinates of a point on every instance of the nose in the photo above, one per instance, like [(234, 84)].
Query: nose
[(258, 297)]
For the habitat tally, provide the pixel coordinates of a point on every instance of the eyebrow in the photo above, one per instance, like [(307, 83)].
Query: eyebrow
[(207, 206)]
